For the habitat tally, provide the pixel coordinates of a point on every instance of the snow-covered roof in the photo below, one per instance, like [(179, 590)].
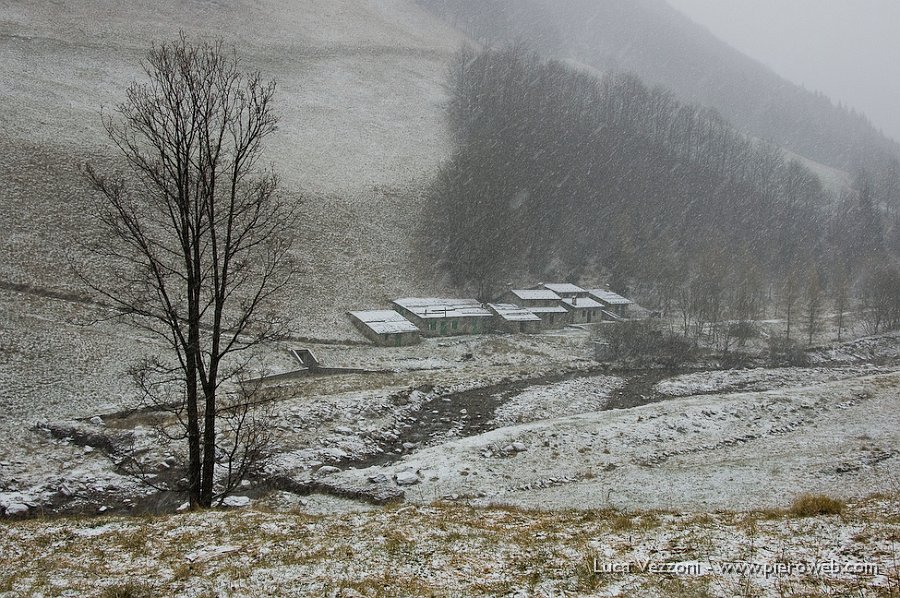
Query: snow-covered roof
[(385, 321), (555, 309), (432, 307), (513, 313), (535, 294), (583, 303), (563, 288), (609, 298)]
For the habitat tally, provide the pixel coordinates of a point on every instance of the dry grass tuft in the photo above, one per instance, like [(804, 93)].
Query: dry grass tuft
[(127, 590), (812, 505)]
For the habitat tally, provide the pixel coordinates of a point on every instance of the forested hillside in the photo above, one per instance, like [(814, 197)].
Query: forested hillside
[(561, 173), (661, 46)]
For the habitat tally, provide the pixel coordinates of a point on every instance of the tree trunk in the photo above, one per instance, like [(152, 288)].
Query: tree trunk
[(209, 448), (193, 427)]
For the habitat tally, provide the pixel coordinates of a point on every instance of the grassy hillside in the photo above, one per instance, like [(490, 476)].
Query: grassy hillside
[(360, 94), (447, 550)]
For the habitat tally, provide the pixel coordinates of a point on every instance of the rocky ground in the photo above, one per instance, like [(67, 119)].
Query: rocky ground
[(511, 420)]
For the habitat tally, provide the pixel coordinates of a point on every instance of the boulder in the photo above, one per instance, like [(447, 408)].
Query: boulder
[(16, 509), (406, 478), (236, 502)]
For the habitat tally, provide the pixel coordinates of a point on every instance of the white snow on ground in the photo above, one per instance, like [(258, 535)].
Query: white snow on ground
[(872, 348), (449, 550), (745, 450), (548, 401), (315, 420), (759, 379)]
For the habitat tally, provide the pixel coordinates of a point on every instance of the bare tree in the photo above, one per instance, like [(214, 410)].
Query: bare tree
[(880, 295), (841, 294), (814, 298), (196, 241), (790, 296)]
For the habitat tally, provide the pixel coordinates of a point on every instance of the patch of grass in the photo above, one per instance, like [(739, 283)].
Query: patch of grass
[(586, 577), (6, 583), (813, 505), (701, 519), (397, 544), (127, 590), (489, 588), (679, 587), (293, 555), (131, 542), (183, 571), (621, 523), (389, 585), (649, 521)]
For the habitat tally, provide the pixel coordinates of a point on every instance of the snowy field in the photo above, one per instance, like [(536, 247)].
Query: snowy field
[(759, 379), (446, 550), (733, 451), (516, 472), (498, 419)]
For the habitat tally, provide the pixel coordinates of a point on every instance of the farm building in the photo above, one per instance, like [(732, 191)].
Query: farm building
[(552, 317), (582, 310), (543, 303), (532, 298), (564, 289), (445, 317), (386, 328), (612, 302), (512, 318)]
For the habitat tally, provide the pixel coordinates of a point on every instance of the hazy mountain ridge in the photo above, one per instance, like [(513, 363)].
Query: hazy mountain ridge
[(663, 47)]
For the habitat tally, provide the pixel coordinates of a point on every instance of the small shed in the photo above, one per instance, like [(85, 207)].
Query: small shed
[(445, 317), (565, 289), (582, 310), (386, 328), (552, 317), (512, 318), (612, 302)]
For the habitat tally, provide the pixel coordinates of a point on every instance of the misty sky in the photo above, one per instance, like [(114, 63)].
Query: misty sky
[(848, 49)]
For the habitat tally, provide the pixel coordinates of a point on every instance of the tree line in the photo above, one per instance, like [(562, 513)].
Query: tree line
[(662, 46), (560, 173)]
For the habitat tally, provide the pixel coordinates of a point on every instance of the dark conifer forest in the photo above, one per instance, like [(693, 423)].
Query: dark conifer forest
[(559, 172)]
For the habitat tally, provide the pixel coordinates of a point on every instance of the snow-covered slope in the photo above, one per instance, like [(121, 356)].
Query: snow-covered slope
[(360, 97), (359, 82)]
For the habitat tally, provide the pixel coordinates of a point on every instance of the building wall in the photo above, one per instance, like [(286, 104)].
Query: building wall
[(584, 316), (554, 321), (452, 326), (400, 339)]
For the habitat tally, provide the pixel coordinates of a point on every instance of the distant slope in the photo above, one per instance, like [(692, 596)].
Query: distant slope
[(359, 82), (662, 46), (360, 98)]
